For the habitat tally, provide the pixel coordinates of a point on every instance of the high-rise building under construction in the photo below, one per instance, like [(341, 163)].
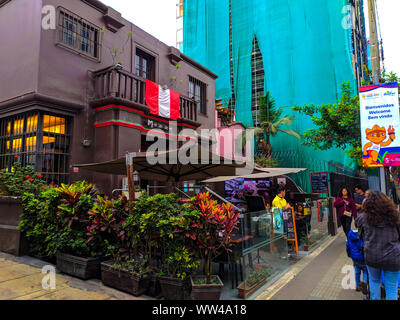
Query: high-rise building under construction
[(301, 51)]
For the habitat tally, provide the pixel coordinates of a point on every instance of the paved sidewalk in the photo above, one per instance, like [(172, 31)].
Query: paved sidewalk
[(317, 276), (21, 279)]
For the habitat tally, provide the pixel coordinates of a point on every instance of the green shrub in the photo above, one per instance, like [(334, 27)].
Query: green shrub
[(56, 220), (20, 180)]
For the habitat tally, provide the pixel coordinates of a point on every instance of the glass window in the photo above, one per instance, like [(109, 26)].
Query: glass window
[(144, 65), (79, 34), (49, 155), (197, 92)]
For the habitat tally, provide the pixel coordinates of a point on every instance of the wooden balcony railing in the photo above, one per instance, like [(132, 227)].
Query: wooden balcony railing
[(118, 83)]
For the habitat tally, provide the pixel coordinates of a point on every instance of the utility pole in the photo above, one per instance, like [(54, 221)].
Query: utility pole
[(376, 66)]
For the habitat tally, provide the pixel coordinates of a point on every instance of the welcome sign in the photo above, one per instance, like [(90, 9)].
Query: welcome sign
[(380, 125)]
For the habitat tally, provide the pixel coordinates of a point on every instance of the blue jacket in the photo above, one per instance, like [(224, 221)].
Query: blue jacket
[(353, 246)]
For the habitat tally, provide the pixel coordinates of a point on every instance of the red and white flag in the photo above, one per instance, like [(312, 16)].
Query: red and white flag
[(164, 103)]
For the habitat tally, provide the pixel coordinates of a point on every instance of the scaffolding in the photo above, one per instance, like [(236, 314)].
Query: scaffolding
[(299, 47)]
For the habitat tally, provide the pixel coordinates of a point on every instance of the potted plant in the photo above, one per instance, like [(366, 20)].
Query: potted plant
[(130, 276), (14, 184), (105, 232), (208, 225), (175, 282), (256, 279), (150, 228), (76, 255), (144, 232), (305, 239)]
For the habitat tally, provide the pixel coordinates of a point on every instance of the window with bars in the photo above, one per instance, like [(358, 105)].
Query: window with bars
[(197, 92), (39, 140), (145, 65), (257, 80), (78, 34)]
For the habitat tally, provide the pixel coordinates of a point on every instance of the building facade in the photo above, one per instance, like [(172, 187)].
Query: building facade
[(72, 88), (301, 51)]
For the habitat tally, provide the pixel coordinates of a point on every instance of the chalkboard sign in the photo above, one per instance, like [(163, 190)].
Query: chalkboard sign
[(319, 182), (291, 227)]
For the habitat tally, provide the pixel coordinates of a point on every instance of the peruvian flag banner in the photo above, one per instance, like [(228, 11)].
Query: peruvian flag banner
[(164, 103)]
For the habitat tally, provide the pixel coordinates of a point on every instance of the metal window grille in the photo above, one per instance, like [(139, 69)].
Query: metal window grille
[(78, 34), (197, 92), (36, 139)]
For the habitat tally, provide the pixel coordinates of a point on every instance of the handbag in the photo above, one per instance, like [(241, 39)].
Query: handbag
[(347, 213)]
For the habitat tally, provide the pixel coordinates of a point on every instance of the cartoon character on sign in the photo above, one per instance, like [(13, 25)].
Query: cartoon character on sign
[(376, 136)]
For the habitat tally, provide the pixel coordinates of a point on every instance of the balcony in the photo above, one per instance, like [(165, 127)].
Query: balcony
[(129, 89)]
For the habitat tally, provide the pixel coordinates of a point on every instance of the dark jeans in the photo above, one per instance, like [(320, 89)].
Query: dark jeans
[(346, 224)]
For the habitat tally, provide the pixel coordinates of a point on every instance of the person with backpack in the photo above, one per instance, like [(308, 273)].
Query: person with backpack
[(354, 248), (379, 226)]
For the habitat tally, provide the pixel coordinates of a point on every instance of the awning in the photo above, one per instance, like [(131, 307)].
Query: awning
[(267, 173)]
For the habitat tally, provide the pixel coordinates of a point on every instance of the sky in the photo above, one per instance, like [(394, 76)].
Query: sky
[(158, 17), (388, 13)]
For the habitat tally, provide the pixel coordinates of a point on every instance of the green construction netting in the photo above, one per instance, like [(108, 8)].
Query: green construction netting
[(306, 57)]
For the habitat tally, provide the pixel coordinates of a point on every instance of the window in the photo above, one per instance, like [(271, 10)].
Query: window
[(78, 34), (257, 80), (144, 65), (197, 92), (39, 140)]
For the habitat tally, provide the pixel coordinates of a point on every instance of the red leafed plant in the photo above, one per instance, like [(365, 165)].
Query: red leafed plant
[(105, 224), (209, 226)]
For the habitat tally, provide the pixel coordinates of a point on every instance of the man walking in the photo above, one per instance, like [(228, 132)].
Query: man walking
[(359, 197)]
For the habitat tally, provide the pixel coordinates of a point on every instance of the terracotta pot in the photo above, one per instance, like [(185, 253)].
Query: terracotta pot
[(132, 283), (206, 291), (83, 268), (306, 247), (245, 290)]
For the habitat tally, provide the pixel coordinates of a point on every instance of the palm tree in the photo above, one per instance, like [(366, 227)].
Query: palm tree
[(271, 122)]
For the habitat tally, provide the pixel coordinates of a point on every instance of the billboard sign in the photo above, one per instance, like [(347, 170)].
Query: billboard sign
[(380, 125)]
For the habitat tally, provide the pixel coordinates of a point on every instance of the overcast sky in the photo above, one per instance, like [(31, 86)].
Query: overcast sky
[(158, 17)]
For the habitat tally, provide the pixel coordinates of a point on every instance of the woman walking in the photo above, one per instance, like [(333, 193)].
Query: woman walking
[(379, 226), (346, 208)]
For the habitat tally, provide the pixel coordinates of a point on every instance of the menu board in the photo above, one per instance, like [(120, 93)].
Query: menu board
[(291, 233), (291, 227), (319, 182)]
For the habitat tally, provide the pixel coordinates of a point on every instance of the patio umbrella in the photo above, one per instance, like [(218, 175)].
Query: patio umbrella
[(195, 167)]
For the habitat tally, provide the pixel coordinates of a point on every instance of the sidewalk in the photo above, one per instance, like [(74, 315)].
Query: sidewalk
[(21, 279), (317, 276)]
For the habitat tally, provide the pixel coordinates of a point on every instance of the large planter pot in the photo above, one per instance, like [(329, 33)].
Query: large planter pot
[(154, 286), (245, 290), (174, 288), (83, 268), (12, 240), (206, 291), (135, 284)]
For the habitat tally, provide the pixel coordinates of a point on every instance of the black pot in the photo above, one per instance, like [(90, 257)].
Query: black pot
[(135, 284), (154, 289), (175, 288), (206, 291), (83, 268)]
